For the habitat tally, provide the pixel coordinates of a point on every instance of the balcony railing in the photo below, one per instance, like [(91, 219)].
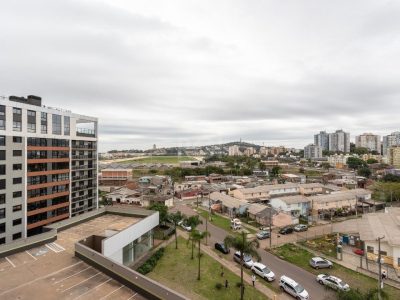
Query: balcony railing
[(84, 197), (83, 167), (84, 177), (83, 157), (85, 132), (83, 187), (84, 147)]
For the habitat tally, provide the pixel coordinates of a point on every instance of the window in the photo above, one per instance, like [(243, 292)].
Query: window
[(2, 184), (43, 122), (2, 198), (17, 208), (17, 194), (2, 154), (2, 213), (2, 140), (56, 124), (2, 227), (2, 169), (17, 111), (17, 180), (31, 113), (17, 167), (384, 253), (17, 139), (2, 117), (370, 249), (17, 222), (66, 125), (17, 236), (31, 127), (17, 126), (17, 152), (2, 240)]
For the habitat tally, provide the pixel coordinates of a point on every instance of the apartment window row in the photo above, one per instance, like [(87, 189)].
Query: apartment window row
[(47, 142)]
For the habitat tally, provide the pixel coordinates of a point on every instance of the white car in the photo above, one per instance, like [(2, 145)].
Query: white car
[(184, 226), (333, 282), (293, 288), (247, 259), (262, 271)]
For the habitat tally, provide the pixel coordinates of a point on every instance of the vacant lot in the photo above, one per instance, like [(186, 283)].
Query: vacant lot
[(159, 160), (301, 257), (178, 271)]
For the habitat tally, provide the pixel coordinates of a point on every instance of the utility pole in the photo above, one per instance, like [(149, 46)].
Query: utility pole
[(270, 228), (380, 283), (206, 231)]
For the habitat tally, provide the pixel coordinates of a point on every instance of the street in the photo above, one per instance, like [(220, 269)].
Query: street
[(278, 266)]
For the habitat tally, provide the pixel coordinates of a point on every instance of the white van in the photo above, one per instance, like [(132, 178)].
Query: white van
[(293, 288), (236, 224)]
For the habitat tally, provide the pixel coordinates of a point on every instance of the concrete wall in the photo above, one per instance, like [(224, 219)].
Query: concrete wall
[(112, 246)]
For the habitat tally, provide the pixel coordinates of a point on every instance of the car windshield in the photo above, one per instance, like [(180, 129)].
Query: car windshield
[(266, 270), (246, 257), (299, 288)]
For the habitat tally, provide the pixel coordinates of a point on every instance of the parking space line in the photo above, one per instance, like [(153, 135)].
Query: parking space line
[(31, 255), (11, 263), (133, 296), (93, 288), (71, 287), (112, 292), (71, 275)]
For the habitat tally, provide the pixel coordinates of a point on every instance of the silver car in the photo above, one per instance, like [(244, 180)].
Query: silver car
[(320, 263), (333, 282), (247, 259)]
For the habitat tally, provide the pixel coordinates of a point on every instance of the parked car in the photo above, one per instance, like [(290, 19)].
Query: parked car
[(286, 230), (300, 227), (247, 259), (184, 226), (320, 263), (262, 271), (221, 247), (263, 235), (293, 288), (236, 224), (358, 251), (333, 282)]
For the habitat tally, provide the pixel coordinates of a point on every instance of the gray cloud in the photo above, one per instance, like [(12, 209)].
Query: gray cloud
[(204, 72)]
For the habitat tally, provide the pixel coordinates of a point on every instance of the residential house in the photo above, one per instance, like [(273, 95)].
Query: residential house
[(293, 205), (229, 205), (263, 193)]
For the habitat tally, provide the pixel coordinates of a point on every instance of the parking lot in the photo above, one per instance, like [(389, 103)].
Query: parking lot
[(52, 271)]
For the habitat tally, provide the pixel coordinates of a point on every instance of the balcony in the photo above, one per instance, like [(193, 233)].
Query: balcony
[(83, 167), (47, 160), (47, 196), (83, 198), (83, 187), (47, 184), (48, 208), (48, 221), (84, 157), (47, 148), (85, 132), (87, 147), (84, 177), (79, 209), (49, 172)]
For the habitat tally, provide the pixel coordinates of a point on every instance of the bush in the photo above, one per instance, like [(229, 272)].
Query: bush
[(150, 264), (218, 286), (238, 284)]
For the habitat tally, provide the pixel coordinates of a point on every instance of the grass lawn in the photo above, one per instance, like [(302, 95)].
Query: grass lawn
[(301, 257), (325, 245), (178, 271), (222, 222), (159, 159)]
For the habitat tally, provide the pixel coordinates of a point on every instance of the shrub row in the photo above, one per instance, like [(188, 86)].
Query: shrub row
[(149, 265)]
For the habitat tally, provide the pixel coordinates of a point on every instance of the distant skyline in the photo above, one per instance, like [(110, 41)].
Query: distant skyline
[(180, 73)]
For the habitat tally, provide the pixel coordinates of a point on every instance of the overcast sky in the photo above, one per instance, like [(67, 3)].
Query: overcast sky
[(176, 73)]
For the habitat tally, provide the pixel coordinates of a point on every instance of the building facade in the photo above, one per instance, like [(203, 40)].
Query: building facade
[(48, 166), (370, 141), (393, 154), (339, 141), (322, 139), (234, 150), (390, 140), (312, 151)]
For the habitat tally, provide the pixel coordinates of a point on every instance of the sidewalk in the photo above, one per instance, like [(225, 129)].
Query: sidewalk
[(368, 273), (233, 267)]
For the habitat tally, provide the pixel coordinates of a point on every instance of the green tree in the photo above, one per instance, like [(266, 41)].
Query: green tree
[(163, 211), (175, 218), (276, 171), (244, 246), (262, 166), (193, 222), (198, 236), (361, 150), (355, 163), (364, 171), (326, 166), (371, 161), (391, 178)]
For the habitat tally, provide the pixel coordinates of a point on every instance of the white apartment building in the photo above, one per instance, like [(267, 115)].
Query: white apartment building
[(234, 150), (339, 141), (312, 151), (370, 141), (338, 160), (48, 166), (390, 140), (322, 140)]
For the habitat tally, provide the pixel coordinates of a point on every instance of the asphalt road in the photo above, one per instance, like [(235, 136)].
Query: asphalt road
[(278, 266)]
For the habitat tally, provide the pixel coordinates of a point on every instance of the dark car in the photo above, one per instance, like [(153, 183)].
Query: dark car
[(286, 230), (221, 247)]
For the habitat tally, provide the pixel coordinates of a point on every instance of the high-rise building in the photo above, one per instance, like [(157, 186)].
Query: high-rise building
[(48, 166), (393, 154), (390, 140), (322, 140), (370, 141), (312, 151), (339, 141), (234, 150)]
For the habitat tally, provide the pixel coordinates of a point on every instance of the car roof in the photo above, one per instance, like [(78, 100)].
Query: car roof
[(335, 278), (260, 265), (289, 280), (318, 259)]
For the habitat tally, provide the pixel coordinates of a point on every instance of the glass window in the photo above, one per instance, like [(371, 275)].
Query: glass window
[(17, 139), (17, 180), (2, 154), (17, 126), (2, 227), (2, 184), (17, 222), (43, 122), (31, 113), (17, 111), (2, 169), (17, 152), (17, 236), (17, 208), (66, 125), (2, 140), (17, 167), (2, 198), (17, 194), (31, 127), (2, 213), (2, 117), (56, 124)]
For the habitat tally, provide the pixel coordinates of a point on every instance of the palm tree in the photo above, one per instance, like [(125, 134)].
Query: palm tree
[(193, 222), (243, 245), (174, 218), (198, 236)]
